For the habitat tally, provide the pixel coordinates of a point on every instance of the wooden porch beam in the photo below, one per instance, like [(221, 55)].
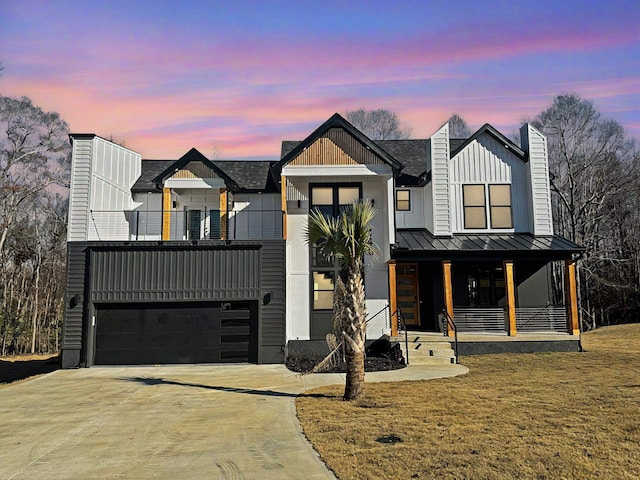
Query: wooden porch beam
[(510, 293), (448, 293), (166, 214), (572, 297), (224, 205), (393, 298), (283, 201)]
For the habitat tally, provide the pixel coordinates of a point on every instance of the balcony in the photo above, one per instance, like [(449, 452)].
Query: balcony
[(185, 225)]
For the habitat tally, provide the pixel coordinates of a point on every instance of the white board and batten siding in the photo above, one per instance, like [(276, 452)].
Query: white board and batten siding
[(441, 201), (537, 175), (415, 216), (487, 161), (102, 174)]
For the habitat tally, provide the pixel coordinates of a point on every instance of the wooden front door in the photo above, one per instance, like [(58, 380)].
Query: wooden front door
[(407, 292)]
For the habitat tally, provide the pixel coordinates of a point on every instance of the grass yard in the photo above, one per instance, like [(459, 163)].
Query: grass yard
[(538, 416)]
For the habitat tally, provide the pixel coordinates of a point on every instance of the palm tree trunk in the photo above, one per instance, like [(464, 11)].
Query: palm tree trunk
[(354, 335), (354, 386)]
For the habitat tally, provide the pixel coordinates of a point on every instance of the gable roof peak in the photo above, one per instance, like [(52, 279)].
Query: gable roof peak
[(194, 155), (338, 121), (488, 129)]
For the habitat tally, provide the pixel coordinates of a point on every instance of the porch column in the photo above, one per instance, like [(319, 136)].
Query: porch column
[(393, 299), (166, 214), (448, 293), (283, 201), (572, 297), (223, 214), (510, 293)]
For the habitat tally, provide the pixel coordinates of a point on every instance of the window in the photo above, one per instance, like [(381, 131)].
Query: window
[(193, 224), (485, 286), (500, 204), (323, 283), (330, 200), (403, 200), (475, 206)]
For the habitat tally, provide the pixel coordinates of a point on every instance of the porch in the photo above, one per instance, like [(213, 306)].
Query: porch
[(429, 344), (242, 221), (503, 285)]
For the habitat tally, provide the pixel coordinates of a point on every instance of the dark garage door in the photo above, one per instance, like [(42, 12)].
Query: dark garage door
[(163, 333)]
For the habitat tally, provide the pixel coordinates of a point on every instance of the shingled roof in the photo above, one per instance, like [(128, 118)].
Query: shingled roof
[(150, 169), (250, 175)]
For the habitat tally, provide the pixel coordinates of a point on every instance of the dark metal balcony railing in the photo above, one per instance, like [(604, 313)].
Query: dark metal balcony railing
[(190, 224)]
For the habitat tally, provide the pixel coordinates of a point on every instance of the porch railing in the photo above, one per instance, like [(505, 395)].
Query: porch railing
[(541, 319), (480, 319), (190, 224), (448, 323)]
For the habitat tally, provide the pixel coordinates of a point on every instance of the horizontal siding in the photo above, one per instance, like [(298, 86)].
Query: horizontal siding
[(539, 179), (273, 283), (440, 180), (80, 190), (75, 289)]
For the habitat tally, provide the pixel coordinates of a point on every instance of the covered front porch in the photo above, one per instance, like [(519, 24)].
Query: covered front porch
[(502, 286)]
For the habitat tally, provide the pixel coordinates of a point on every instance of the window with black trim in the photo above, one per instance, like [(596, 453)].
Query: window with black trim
[(473, 199), (329, 200), (500, 205), (403, 200)]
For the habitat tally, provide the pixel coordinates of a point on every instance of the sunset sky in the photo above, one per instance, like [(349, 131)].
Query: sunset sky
[(238, 77)]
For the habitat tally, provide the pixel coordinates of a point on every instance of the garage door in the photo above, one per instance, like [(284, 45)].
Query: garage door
[(162, 333)]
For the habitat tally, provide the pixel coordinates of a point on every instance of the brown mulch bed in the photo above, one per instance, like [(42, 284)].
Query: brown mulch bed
[(371, 364), (20, 367)]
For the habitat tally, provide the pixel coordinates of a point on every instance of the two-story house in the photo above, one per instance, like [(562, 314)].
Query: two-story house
[(193, 260)]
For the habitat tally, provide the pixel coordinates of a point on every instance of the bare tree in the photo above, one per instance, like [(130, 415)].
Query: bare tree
[(378, 124), (593, 174), (458, 127), (34, 171)]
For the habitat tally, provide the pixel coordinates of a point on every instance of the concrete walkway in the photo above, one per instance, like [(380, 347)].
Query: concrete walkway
[(194, 421)]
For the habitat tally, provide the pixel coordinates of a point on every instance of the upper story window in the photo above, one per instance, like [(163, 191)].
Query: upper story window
[(474, 206), (500, 204), (331, 199), (403, 200), (475, 201)]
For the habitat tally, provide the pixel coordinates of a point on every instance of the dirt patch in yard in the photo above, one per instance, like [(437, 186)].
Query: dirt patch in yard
[(541, 416), (371, 364), (20, 367)]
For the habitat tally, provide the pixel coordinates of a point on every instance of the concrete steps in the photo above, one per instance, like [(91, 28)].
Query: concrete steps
[(427, 349)]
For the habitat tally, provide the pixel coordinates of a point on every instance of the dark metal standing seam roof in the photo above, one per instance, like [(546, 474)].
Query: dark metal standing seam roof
[(423, 242)]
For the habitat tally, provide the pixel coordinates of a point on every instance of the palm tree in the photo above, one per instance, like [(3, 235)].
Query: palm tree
[(348, 238)]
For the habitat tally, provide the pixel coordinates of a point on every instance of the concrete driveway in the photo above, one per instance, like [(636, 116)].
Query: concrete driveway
[(195, 421)]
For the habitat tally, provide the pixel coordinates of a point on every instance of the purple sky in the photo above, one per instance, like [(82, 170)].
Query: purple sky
[(238, 77)]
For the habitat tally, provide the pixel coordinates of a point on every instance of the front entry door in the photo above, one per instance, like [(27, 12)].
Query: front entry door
[(407, 292)]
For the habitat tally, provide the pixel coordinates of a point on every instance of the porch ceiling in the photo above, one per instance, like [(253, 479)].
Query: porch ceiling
[(423, 243)]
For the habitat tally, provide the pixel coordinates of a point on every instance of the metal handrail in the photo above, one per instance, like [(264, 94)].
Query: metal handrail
[(401, 323), (400, 317), (447, 322)]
